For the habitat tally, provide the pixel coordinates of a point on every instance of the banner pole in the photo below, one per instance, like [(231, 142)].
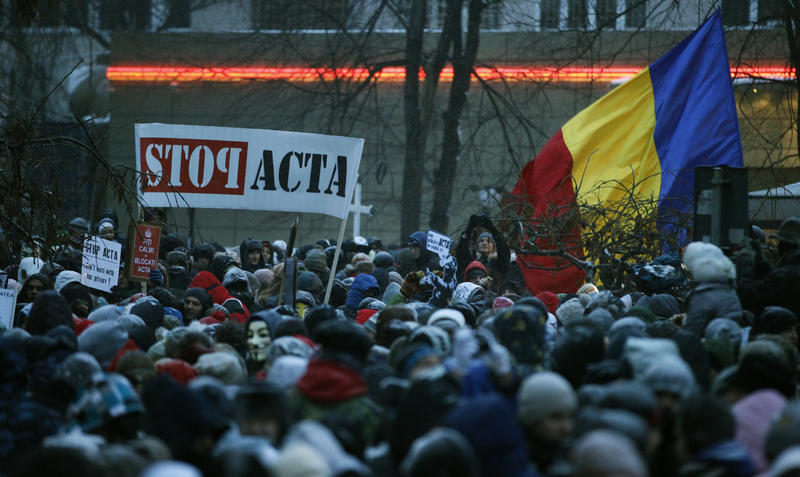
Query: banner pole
[(335, 259)]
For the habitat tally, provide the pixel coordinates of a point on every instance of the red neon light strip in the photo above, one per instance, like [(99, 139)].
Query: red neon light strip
[(397, 74)]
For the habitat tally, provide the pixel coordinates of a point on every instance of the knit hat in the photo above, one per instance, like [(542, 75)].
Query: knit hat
[(447, 314), (395, 277), (74, 291), (286, 370), (223, 366), (78, 369), (136, 366), (236, 279), (642, 352), (265, 276), (364, 315), (178, 369), (316, 261), (663, 305), (344, 337), (591, 456), (641, 312), (150, 310), (433, 336), (521, 329), (669, 374), (103, 340), (784, 431), (468, 292), (570, 310), (753, 415), (201, 295), (109, 397), (725, 330), (475, 265), (288, 346), (587, 288), (500, 303), (603, 318), (550, 300), (775, 320), (542, 394), (105, 313), (300, 460)]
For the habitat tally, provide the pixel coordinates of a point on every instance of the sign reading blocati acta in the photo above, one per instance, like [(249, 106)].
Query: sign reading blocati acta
[(144, 250)]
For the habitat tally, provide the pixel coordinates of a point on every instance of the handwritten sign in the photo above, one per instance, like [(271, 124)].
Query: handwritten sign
[(438, 244), (100, 264), (144, 250), (8, 301)]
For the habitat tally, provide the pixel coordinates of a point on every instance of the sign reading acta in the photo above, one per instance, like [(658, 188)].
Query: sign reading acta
[(214, 167)]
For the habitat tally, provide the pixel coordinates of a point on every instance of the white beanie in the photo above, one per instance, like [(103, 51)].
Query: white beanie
[(65, 278), (447, 314), (543, 394)]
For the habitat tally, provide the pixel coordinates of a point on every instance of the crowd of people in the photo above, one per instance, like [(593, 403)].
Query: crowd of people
[(229, 361)]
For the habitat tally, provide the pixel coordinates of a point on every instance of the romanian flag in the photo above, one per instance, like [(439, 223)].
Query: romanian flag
[(654, 130)]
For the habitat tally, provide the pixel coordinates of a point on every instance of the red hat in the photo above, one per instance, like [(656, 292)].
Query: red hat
[(363, 315), (472, 266), (181, 371), (209, 282), (550, 300)]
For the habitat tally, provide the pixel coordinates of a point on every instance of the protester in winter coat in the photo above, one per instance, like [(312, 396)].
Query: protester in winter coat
[(713, 294)]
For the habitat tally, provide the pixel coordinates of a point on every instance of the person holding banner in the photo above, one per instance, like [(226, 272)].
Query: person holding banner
[(481, 241)]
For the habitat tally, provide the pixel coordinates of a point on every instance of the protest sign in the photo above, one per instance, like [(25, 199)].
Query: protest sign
[(3, 279), (253, 169), (100, 264), (438, 244), (8, 301), (144, 250)]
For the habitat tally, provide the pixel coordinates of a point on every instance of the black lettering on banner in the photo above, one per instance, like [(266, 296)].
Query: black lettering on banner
[(268, 172), (283, 170), (339, 173), (318, 161)]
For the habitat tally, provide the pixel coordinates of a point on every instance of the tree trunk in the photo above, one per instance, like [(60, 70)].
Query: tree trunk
[(411, 199), (463, 63)]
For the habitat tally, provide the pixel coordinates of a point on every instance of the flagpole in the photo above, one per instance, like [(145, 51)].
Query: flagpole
[(336, 258)]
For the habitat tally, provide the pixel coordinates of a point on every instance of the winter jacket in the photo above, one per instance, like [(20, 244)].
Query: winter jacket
[(709, 300), (724, 459)]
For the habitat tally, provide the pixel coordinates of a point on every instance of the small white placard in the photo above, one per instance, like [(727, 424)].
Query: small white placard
[(438, 244), (100, 268)]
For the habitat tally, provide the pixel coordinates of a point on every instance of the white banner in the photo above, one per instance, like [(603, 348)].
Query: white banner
[(8, 302), (100, 267), (438, 244), (253, 169)]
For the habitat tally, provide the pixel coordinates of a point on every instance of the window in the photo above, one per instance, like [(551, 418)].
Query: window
[(735, 12), (769, 10), (492, 16), (70, 13), (606, 14), (300, 14), (551, 13), (577, 14), (635, 13), (179, 14), (125, 15)]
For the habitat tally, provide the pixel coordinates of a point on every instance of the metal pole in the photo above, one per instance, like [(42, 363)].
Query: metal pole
[(335, 259)]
